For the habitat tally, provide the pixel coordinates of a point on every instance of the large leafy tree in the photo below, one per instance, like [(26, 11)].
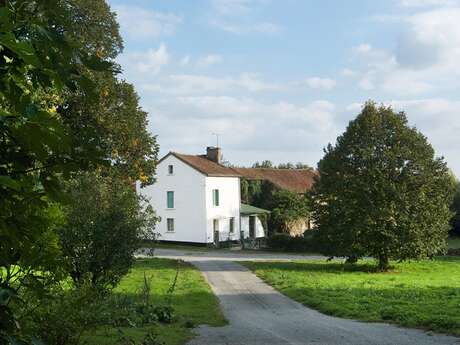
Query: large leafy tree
[(382, 192), (39, 62), (62, 110)]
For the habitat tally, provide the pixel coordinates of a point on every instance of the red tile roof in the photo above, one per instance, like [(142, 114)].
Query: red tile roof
[(294, 180), (204, 165)]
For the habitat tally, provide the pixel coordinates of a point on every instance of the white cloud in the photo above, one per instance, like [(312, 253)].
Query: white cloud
[(231, 7), (192, 84), (347, 72), (145, 64), (321, 83), (244, 29), (138, 23), (425, 59), (185, 60), (363, 48), (209, 60), (237, 17), (245, 125)]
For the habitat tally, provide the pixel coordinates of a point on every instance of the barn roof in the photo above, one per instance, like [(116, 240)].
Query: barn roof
[(204, 165), (294, 180)]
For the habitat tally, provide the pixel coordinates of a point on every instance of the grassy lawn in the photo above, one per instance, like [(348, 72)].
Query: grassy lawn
[(422, 294), (192, 300)]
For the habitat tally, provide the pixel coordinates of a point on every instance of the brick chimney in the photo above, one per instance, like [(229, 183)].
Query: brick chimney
[(214, 154)]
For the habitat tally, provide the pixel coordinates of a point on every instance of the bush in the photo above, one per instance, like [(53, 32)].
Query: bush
[(285, 242), (105, 224), (62, 315)]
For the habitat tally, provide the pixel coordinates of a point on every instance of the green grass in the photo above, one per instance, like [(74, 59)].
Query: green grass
[(423, 294), (453, 242), (193, 302)]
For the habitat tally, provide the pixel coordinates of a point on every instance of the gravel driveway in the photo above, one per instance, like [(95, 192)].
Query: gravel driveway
[(258, 314)]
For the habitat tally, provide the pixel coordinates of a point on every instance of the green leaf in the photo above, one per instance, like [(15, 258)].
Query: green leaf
[(97, 64), (8, 182), (24, 50)]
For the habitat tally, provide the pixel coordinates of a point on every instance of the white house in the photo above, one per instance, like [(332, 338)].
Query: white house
[(198, 200)]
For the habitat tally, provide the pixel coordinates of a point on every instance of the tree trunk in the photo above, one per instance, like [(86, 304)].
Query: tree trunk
[(384, 263)]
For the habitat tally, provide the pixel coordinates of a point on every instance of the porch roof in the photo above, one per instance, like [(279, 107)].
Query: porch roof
[(248, 210)]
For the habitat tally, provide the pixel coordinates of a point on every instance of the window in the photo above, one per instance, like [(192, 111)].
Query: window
[(170, 224), (215, 225), (170, 199), (170, 169), (215, 197), (232, 225)]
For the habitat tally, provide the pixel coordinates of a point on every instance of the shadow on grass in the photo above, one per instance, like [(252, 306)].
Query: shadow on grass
[(319, 266), (334, 267)]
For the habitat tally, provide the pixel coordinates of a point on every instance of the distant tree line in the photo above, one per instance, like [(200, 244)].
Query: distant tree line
[(289, 165)]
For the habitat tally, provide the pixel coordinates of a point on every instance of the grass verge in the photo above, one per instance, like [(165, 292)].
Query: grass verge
[(192, 300), (423, 294)]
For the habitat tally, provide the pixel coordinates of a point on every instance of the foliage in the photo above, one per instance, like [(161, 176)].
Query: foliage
[(286, 243), (105, 224), (59, 103), (382, 193), (40, 61), (289, 165), (64, 314), (410, 295), (456, 211), (289, 208), (286, 207), (192, 301)]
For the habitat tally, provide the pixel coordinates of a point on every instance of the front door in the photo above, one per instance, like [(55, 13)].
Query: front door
[(252, 226), (215, 226)]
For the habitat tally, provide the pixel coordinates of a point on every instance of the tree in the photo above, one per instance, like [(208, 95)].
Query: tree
[(62, 111), (105, 223), (269, 165), (289, 208), (263, 164), (381, 192), (39, 62), (456, 211)]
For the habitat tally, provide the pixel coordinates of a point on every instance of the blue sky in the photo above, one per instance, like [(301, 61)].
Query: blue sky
[(279, 80)]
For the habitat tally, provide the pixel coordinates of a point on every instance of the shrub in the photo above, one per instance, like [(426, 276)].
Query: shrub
[(105, 224), (285, 242), (64, 314)]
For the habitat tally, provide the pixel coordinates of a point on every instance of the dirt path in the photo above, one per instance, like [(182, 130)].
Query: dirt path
[(259, 315)]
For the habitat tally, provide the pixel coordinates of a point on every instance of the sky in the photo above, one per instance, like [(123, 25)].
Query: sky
[(279, 80)]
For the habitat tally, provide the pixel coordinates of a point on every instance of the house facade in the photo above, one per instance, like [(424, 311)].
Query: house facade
[(198, 200)]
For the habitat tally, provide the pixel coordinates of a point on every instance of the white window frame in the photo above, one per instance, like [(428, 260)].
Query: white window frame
[(170, 221)]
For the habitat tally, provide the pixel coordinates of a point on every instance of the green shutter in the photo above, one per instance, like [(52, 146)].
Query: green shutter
[(170, 199), (215, 197)]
